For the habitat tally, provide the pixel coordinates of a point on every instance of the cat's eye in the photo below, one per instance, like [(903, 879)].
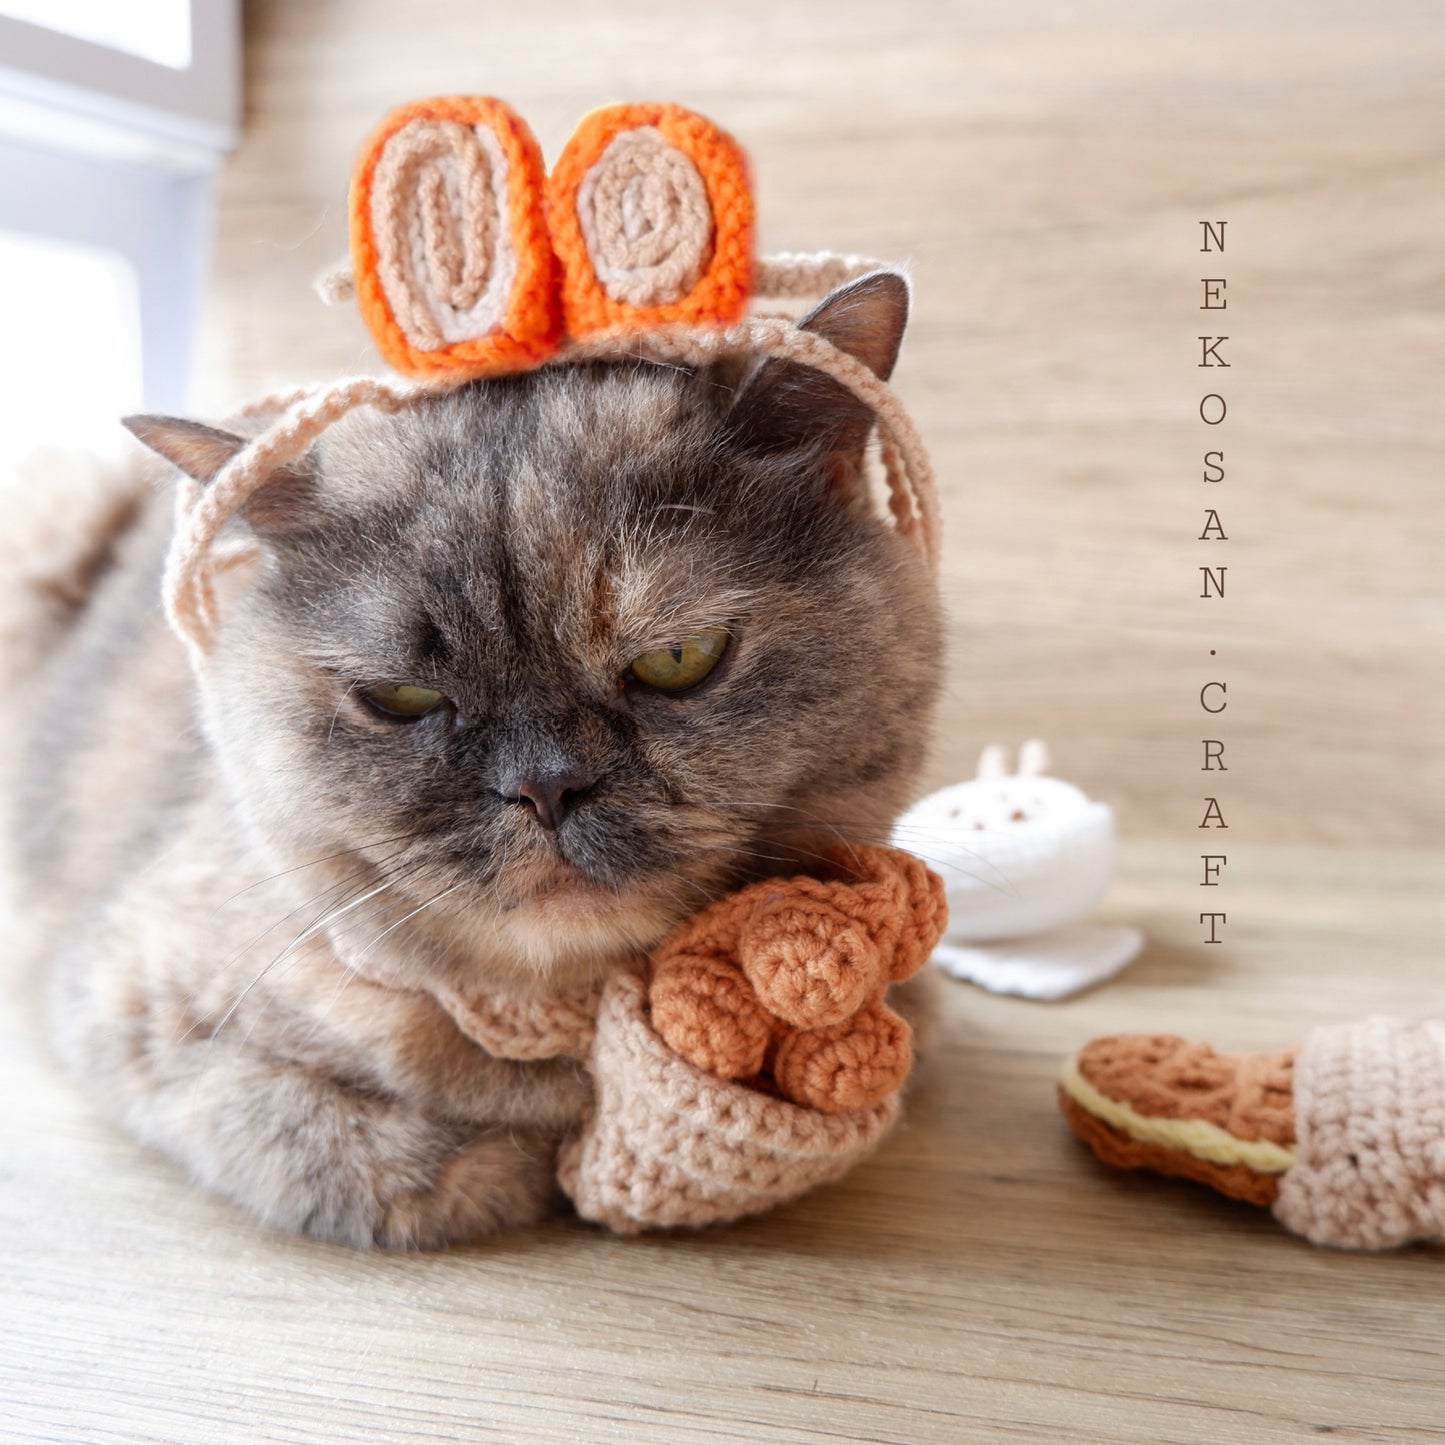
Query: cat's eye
[(402, 701), (684, 664)]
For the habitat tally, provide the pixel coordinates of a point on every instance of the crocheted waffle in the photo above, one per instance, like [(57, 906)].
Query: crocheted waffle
[(1162, 1103)]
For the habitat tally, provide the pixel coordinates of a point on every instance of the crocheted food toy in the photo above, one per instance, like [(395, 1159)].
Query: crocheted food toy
[(783, 982), (1024, 857), (1343, 1136)]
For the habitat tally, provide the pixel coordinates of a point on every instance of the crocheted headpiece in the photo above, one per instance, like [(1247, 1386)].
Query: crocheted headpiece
[(468, 260)]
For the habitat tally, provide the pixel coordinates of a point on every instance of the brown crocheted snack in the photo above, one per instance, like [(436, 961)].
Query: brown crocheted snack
[(782, 984), (1159, 1102)]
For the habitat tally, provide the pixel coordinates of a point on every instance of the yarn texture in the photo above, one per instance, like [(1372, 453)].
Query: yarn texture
[(671, 1145), (650, 213), (453, 271), (783, 982), (667, 1143), (1370, 1101), (527, 1027), (468, 260), (1163, 1103), (1343, 1136)]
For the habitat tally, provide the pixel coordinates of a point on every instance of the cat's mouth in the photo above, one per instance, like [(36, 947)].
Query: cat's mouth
[(551, 881), (567, 880)]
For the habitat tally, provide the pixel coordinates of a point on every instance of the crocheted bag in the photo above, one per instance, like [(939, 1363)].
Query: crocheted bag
[(687, 1127), (669, 1144)]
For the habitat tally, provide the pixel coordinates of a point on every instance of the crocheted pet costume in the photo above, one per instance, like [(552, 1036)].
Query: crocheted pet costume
[(1342, 1137), (468, 261), (763, 1059), (645, 219)]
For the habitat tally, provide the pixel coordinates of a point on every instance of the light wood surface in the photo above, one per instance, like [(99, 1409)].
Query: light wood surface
[(1045, 169)]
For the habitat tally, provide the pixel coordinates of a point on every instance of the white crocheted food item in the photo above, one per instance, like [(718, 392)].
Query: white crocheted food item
[(1018, 853)]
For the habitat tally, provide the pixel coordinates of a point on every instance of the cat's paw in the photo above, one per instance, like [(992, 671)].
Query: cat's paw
[(496, 1181)]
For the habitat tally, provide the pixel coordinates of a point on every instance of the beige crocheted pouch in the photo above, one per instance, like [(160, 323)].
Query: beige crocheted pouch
[(1370, 1106), (670, 1145)]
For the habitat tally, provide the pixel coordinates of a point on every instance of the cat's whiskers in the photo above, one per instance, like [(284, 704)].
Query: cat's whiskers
[(309, 932), (916, 829), (421, 908), (349, 967), (808, 813), (341, 704), (351, 964), (342, 885), (315, 863)]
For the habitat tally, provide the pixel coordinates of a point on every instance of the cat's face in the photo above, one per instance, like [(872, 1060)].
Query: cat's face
[(572, 652)]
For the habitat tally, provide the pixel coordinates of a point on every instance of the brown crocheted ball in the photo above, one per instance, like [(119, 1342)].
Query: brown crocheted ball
[(705, 1011), (852, 1065), (921, 920), (791, 973), (810, 962)]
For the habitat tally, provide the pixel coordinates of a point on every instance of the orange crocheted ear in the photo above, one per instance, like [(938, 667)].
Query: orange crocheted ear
[(651, 217), (454, 271)]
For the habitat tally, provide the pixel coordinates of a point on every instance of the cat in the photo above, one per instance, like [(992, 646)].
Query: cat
[(516, 679)]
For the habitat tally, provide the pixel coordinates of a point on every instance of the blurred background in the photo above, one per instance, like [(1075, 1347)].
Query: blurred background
[(173, 174)]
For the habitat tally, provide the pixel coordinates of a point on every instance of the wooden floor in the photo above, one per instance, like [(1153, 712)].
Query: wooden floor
[(1045, 169)]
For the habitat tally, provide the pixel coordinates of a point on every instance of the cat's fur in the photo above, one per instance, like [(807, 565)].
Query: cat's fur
[(248, 891)]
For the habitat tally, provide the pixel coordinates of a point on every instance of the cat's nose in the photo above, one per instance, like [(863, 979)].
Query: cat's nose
[(550, 796)]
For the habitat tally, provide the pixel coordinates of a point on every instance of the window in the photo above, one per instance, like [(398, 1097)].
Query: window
[(113, 121), (158, 30), (52, 292)]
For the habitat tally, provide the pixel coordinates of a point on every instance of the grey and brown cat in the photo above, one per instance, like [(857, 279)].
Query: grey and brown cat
[(520, 677)]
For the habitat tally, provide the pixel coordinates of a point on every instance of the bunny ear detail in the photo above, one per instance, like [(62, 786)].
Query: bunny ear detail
[(468, 261), (453, 270), (651, 217)]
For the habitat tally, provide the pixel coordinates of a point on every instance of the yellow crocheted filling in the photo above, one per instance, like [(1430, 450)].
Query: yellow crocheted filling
[(1193, 1136)]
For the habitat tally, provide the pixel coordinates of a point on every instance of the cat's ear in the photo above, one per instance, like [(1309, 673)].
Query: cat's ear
[(787, 405), (201, 451)]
